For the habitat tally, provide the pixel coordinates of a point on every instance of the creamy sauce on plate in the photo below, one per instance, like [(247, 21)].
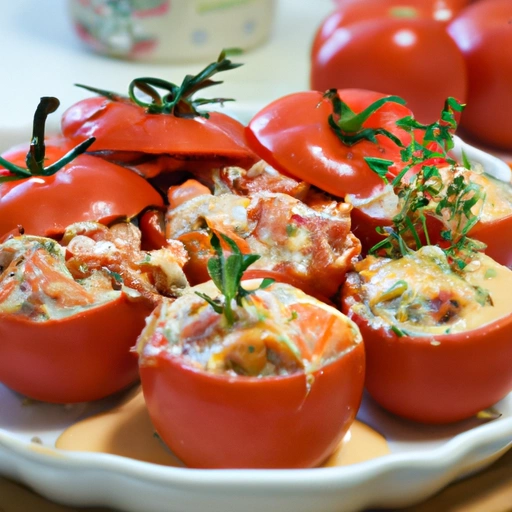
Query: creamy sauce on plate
[(127, 431)]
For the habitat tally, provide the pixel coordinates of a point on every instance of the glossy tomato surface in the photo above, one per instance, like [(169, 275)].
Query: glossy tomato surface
[(293, 135), (123, 126), (221, 420), (483, 33), (413, 58), (258, 423), (436, 379), (497, 235), (353, 11), (82, 357), (88, 188)]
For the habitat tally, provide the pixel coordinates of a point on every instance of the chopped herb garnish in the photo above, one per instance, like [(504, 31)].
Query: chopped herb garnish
[(397, 331), (423, 192), (490, 273)]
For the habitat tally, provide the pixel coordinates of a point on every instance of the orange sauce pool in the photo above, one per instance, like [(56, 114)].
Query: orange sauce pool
[(127, 431)]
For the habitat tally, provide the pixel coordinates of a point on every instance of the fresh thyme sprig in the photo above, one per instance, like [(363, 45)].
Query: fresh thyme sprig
[(227, 274), (177, 99), (35, 159), (420, 185)]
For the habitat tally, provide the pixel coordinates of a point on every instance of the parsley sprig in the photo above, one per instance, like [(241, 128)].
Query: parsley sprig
[(420, 185), (177, 99), (227, 274)]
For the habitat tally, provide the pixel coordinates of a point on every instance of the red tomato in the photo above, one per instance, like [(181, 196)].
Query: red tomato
[(484, 35), (88, 188), (78, 358), (169, 124), (122, 126), (435, 379), (352, 11), (497, 235), (413, 58), (293, 134), (220, 420)]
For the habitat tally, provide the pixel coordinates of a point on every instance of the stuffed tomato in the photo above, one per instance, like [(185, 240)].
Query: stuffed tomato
[(50, 184), (70, 312), (308, 246), (258, 376), (438, 340)]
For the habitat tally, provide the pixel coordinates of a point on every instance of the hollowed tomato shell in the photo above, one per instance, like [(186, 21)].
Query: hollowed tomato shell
[(497, 235), (78, 358), (220, 421), (87, 189), (437, 379)]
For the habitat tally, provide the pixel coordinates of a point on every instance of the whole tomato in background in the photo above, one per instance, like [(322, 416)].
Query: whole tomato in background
[(394, 47), (483, 32)]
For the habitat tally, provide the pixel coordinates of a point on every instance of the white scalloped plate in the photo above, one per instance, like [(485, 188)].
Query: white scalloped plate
[(423, 460)]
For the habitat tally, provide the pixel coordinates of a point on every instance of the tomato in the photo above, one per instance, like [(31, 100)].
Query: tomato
[(226, 420), (70, 312), (170, 124), (79, 358), (310, 248), (365, 45), (482, 32), (122, 126), (352, 11), (293, 135), (439, 378), (57, 189), (497, 236), (88, 188)]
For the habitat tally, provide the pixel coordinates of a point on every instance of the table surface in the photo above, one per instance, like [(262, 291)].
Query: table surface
[(41, 56)]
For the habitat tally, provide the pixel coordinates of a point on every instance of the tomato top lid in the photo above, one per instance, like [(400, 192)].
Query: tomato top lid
[(166, 122)]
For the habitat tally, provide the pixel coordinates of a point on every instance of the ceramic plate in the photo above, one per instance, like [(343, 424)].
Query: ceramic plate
[(423, 459)]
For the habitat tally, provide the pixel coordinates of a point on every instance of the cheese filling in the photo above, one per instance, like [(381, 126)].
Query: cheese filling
[(420, 294)]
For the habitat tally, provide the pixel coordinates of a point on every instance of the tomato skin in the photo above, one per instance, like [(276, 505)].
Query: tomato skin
[(410, 58), (79, 358), (213, 421), (483, 34), (294, 136), (497, 235), (88, 188), (151, 225), (436, 383), (123, 126), (352, 11)]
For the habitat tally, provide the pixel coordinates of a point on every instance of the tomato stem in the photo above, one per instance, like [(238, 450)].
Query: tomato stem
[(348, 126), (36, 154), (176, 99)]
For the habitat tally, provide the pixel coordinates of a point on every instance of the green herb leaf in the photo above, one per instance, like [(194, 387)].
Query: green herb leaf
[(379, 166), (227, 274)]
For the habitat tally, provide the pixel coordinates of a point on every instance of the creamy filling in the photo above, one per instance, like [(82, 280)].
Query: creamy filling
[(420, 294)]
